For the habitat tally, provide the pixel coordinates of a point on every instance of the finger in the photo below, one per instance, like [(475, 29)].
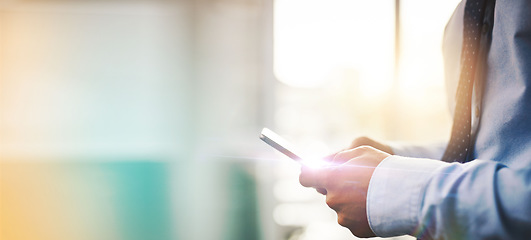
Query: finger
[(339, 160), (330, 157), (308, 177), (321, 191), (312, 177), (347, 155), (361, 141)]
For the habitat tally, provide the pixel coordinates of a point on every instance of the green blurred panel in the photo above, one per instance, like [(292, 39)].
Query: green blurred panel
[(142, 199), (217, 200), (242, 221)]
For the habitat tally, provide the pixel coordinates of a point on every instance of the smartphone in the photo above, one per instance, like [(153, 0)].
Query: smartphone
[(283, 146), (280, 144)]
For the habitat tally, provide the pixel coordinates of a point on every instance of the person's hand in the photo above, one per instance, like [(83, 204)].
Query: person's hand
[(358, 142), (346, 182)]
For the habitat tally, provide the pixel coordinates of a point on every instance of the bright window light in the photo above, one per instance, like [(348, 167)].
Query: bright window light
[(319, 41)]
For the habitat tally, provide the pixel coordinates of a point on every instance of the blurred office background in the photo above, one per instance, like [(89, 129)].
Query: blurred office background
[(140, 119)]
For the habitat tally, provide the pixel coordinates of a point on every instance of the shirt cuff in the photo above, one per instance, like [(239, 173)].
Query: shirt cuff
[(395, 194)]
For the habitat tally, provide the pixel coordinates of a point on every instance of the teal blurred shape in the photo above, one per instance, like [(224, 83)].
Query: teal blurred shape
[(243, 219), (142, 198)]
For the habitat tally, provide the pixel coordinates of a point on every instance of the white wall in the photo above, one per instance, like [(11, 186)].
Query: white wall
[(84, 78)]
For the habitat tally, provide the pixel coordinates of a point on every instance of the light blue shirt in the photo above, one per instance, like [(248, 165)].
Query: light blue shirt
[(489, 197)]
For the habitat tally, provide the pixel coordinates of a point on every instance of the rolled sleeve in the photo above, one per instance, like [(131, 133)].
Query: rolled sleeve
[(395, 194)]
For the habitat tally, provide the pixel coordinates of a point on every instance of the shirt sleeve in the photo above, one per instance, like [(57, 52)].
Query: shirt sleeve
[(436, 200), (431, 151)]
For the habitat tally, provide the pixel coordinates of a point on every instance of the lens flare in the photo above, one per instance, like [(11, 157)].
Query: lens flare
[(314, 163)]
